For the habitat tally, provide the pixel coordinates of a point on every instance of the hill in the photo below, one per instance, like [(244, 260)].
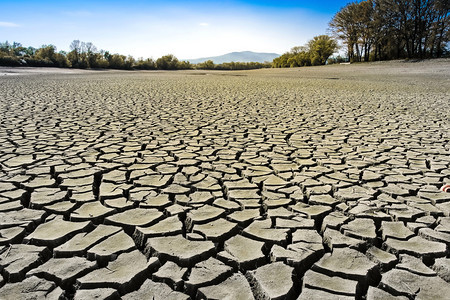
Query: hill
[(244, 56)]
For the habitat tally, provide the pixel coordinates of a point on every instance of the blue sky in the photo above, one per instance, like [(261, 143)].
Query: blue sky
[(187, 29)]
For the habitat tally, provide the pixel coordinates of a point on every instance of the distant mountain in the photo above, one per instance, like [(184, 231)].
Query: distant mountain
[(244, 56)]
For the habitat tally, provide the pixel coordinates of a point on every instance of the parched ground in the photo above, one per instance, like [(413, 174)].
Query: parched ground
[(309, 183)]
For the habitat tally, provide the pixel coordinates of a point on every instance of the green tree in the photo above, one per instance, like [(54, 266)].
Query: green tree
[(316, 52), (5, 48), (117, 61), (46, 52), (389, 29), (74, 54), (91, 55), (61, 60), (129, 62), (206, 65), (167, 62), (185, 65), (343, 26), (282, 61), (147, 64), (321, 48)]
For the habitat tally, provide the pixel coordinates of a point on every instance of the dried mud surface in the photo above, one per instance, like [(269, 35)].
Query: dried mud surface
[(312, 183)]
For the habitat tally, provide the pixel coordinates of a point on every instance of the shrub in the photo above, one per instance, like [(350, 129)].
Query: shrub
[(9, 61)]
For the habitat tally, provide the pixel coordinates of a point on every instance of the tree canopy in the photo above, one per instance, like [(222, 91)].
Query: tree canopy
[(392, 29), (85, 55), (315, 52), (368, 29)]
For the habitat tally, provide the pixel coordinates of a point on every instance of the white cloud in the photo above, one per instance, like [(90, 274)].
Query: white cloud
[(203, 24), (8, 24)]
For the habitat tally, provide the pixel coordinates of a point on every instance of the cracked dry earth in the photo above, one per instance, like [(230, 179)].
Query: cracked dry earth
[(314, 183)]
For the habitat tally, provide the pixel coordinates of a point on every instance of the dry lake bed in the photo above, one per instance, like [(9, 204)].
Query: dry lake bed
[(306, 183)]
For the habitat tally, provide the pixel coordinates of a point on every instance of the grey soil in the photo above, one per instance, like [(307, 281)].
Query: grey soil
[(308, 183)]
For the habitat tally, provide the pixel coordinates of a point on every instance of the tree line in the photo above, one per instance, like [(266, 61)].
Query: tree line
[(369, 29), (378, 30), (316, 52), (393, 29), (84, 55)]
